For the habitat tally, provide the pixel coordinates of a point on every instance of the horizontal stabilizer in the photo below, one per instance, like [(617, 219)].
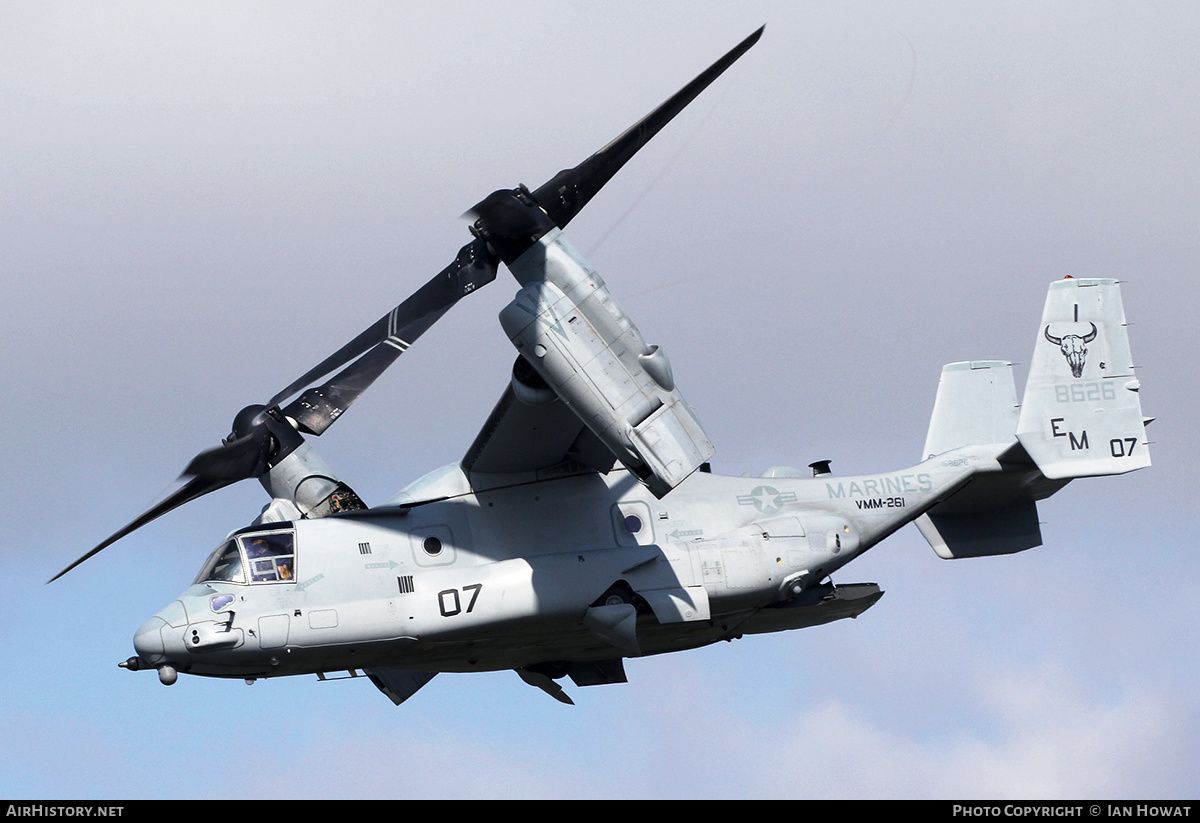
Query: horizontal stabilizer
[(1082, 415), (982, 534)]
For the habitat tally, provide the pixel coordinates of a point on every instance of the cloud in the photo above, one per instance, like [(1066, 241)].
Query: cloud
[(1035, 734)]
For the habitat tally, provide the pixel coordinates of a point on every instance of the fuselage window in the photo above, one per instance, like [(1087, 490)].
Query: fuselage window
[(271, 557)]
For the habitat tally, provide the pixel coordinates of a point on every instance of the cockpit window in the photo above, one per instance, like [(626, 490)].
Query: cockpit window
[(224, 565), (271, 557)]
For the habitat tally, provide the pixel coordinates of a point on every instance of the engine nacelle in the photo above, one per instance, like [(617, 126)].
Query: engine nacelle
[(572, 333), (306, 481)]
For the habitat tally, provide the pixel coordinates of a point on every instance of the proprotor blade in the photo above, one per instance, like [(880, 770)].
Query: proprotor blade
[(262, 436), (513, 220), (385, 340), (194, 488), (564, 195)]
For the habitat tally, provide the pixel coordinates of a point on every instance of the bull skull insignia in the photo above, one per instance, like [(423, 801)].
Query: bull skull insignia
[(1074, 348)]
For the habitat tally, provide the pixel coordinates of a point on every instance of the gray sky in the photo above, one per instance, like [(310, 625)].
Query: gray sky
[(200, 201)]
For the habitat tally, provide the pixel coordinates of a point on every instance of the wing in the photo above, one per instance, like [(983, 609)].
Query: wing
[(544, 438)]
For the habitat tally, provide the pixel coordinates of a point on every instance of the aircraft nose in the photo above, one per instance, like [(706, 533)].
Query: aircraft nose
[(148, 641), (158, 640)]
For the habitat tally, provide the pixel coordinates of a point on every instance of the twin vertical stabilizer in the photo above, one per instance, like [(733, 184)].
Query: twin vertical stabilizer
[(1082, 415)]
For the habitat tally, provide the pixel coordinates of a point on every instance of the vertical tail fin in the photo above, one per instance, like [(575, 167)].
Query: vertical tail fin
[(976, 404), (1081, 415)]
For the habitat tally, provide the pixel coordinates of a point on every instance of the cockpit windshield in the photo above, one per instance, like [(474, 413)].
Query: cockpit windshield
[(224, 565), (268, 557)]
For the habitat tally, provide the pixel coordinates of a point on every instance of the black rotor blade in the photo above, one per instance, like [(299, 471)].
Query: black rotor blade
[(473, 267), (385, 340), (565, 194), (235, 460), (194, 488), (260, 434), (316, 409)]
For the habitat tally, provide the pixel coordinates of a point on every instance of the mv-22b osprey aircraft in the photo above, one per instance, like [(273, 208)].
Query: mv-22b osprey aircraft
[(583, 526)]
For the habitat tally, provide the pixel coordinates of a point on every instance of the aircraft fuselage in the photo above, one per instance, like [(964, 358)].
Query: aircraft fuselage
[(504, 576)]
